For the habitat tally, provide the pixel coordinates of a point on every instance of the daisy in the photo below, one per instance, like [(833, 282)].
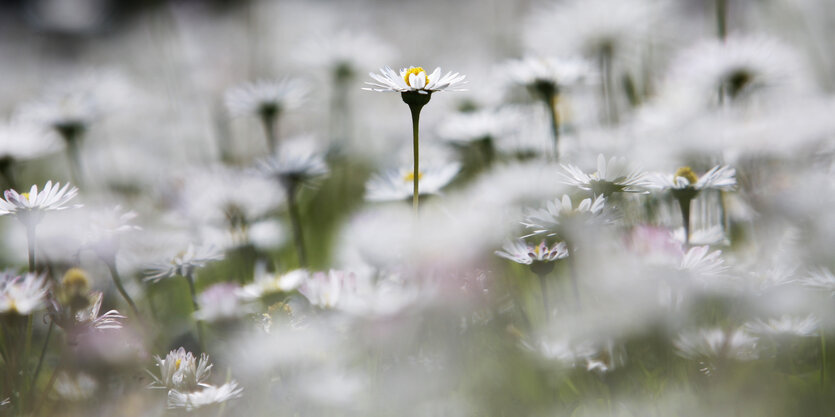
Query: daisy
[(220, 303), (415, 88), (29, 207), (343, 53), (685, 186), (328, 290), (184, 263), (548, 219), (181, 370), (785, 326), (520, 252), (414, 80), (22, 294), (77, 387), (21, 141), (267, 284), (267, 100), (395, 185), (821, 279), (716, 343), (546, 78), (611, 177), (480, 125), (208, 395)]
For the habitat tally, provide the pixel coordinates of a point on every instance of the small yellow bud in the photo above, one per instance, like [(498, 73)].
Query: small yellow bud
[(416, 71), (688, 174)]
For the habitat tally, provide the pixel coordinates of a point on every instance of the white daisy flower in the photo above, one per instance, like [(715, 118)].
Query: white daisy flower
[(548, 75), (520, 252), (700, 260), (395, 185), (74, 387), (23, 294), (266, 284), (180, 370), (326, 290), (89, 317), (610, 177), (546, 220), (785, 326), (414, 79), (720, 177), (821, 279), (480, 125), (208, 395), (29, 207), (266, 97), (220, 303), (23, 141), (716, 343), (184, 263), (295, 165)]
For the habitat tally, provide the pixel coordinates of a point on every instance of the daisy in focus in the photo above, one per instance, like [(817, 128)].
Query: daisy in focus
[(29, 207), (414, 80)]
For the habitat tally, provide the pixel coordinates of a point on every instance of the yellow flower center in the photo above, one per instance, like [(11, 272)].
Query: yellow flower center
[(177, 364), (416, 71), (25, 195), (410, 176), (75, 277), (688, 174)]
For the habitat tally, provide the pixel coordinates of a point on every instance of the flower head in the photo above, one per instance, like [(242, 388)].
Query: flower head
[(220, 303), (295, 166), (414, 79), (29, 207), (184, 263), (22, 294), (720, 177), (611, 177), (546, 220), (266, 98), (181, 371), (209, 395), (520, 252), (266, 284), (396, 184), (548, 76)]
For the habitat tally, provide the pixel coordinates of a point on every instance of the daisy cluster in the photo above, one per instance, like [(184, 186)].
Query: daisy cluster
[(258, 208)]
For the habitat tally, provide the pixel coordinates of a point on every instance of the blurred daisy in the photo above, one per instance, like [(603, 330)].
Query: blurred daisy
[(611, 177), (208, 395), (89, 318), (414, 79), (105, 228), (21, 141), (267, 100), (520, 252), (716, 343), (685, 186), (220, 303), (29, 207), (180, 370), (395, 185), (22, 294), (327, 289), (479, 125), (785, 326), (267, 284), (74, 387), (184, 263), (298, 164), (547, 220), (343, 53), (821, 279)]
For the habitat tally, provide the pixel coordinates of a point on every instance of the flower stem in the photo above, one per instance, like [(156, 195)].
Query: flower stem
[(114, 273), (270, 124), (295, 220), (722, 18), (200, 336), (43, 355), (554, 111), (416, 153), (543, 286), (684, 205), (606, 56), (30, 239)]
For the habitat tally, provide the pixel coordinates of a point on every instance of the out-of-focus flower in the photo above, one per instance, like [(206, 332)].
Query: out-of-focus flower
[(343, 53), (548, 75), (700, 260), (105, 228), (208, 395), (520, 252), (30, 207), (715, 343), (548, 219), (22, 294), (720, 177), (22, 141), (468, 127), (785, 326), (397, 184), (821, 279), (184, 263), (296, 165), (414, 79), (266, 97), (220, 303), (325, 289), (181, 371), (266, 284), (74, 387), (611, 177)]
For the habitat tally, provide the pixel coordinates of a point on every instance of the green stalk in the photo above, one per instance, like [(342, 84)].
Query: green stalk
[(296, 221), (30, 238), (114, 274), (200, 333), (416, 101), (684, 205), (554, 111), (722, 19), (269, 121), (43, 353)]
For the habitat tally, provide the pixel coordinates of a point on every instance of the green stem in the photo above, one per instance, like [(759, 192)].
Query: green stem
[(722, 19), (295, 220), (606, 57), (114, 273), (200, 334), (43, 354), (554, 111), (270, 124), (30, 238), (684, 205), (575, 280), (416, 153), (543, 286), (74, 156)]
